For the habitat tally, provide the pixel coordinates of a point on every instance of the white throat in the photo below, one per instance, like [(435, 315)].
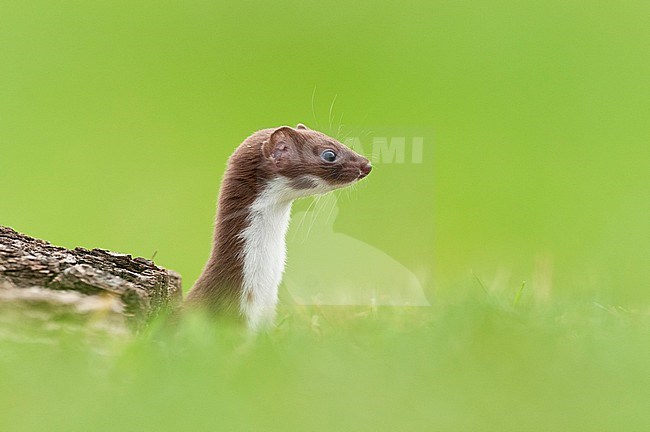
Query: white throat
[(264, 253)]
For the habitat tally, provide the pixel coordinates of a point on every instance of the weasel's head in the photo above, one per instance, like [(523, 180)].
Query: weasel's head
[(312, 162)]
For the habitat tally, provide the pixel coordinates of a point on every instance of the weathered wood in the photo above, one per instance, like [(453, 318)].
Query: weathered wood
[(34, 273)]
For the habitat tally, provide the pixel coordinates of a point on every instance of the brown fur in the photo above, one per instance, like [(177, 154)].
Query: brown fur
[(268, 153)]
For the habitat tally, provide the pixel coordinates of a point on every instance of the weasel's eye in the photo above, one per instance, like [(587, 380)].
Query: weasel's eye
[(328, 156)]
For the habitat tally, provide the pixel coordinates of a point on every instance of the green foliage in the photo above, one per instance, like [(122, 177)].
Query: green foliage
[(476, 364)]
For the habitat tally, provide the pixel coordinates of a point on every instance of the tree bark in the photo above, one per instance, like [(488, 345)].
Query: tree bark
[(37, 276)]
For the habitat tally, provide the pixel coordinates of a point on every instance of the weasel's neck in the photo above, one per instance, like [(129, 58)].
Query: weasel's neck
[(264, 253), (248, 256)]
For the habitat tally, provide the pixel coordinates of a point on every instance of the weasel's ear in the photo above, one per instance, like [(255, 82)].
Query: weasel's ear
[(301, 126), (279, 145)]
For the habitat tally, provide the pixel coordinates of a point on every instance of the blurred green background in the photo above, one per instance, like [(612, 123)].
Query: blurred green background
[(116, 119)]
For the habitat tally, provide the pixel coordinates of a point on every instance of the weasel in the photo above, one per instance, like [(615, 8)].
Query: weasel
[(265, 174)]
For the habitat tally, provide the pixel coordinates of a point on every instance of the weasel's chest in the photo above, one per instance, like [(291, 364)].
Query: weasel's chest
[(264, 253)]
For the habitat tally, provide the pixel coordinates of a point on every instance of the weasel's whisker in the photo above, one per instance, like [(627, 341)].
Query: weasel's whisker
[(304, 216), (332, 207), (317, 210), (313, 111), (344, 137), (338, 132), (330, 113)]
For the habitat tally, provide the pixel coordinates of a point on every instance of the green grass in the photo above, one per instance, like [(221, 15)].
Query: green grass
[(477, 363)]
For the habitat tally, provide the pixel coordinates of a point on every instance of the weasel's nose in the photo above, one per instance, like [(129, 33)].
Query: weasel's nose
[(364, 170)]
